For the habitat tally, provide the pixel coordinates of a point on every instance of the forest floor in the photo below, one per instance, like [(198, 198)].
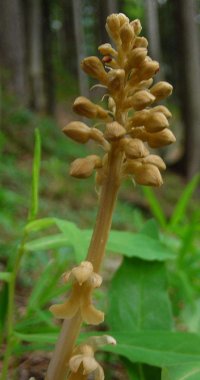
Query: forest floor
[(62, 197)]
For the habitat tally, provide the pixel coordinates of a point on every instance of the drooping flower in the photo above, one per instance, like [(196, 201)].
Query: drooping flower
[(83, 362), (84, 280)]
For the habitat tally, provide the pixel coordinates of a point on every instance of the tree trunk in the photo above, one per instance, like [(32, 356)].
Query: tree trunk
[(12, 47), (80, 45), (36, 61), (153, 33), (68, 54), (189, 66), (47, 38), (112, 6), (104, 9)]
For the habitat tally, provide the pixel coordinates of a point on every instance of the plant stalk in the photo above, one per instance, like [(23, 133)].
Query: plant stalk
[(11, 300), (70, 330)]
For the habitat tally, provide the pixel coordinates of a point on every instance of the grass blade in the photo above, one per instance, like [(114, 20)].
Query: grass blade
[(35, 176), (182, 204), (155, 206)]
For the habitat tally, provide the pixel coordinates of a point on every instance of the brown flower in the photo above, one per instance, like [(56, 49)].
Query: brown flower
[(84, 280)]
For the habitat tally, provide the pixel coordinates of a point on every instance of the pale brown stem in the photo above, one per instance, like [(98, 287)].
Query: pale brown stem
[(107, 203), (58, 366)]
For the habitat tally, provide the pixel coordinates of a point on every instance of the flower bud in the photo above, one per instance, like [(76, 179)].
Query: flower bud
[(148, 69), (77, 131), (113, 26), (127, 36), (145, 84), (132, 166), (136, 25), (107, 49), (159, 139), (161, 90), (153, 159), (85, 107), (116, 80), (122, 19), (114, 131), (136, 57), (134, 148), (84, 167), (96, 135), (140, 42), (140, 100), (139, 133), (155, 122), (98, 341), (138, 118), (94, 67), (162, 109), (148, 175)]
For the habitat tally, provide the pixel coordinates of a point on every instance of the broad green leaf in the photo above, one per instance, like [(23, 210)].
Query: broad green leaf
[(157, 348), (5, 276), (150, 229), (138, 245), (183, 372), (181, 206), (144, 245), (35, 176), (138, 298), (48, 242), (155, 206)]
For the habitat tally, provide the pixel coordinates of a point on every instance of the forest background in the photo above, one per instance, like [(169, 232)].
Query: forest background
[(41, 45)]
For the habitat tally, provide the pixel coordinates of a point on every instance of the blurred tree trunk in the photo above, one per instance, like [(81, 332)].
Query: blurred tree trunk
[(12, 47), (189, 68), (80, 45), (36, 58), (48, 72), (112, 6), (69, 56), (104, 9), (153, 33)]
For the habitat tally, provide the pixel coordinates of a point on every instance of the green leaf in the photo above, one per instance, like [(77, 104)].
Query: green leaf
[(76, 237), (183, 372), (138, 245), (157, 348), (5, 276), (45, 285), (145, 245), (39, 224), (138, 298), (34, 338), (190, 316), (155, 206), (35, 176), (48, 242), (180, 209), (150, 229)]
